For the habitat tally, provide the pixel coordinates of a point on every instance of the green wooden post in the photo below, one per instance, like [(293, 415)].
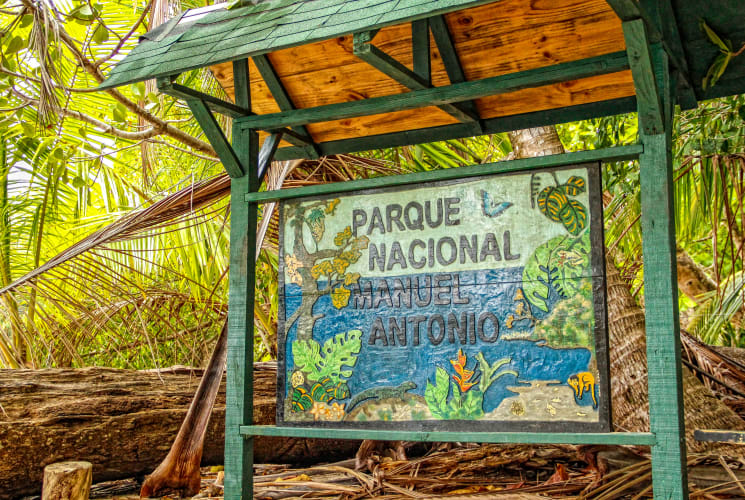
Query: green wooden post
[(665, 383), (239, 388)]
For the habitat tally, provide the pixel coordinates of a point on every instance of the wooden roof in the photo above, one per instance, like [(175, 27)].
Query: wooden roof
[(309, 48)]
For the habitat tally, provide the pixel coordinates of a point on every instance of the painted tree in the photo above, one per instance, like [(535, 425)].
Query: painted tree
[(323, 271)]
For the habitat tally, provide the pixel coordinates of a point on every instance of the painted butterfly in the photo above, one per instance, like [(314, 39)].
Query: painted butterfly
[(492, 209)]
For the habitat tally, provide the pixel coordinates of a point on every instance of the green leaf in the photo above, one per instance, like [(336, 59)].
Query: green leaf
[(84, 14), (119, 112), (138, 90), (574, 217), (714, 38), (558, 263), (26, 21), (16, 43), (436, 395), (28, 129), (101, 34), (329, 361), (574, 186), (473, 404), (550, 202)]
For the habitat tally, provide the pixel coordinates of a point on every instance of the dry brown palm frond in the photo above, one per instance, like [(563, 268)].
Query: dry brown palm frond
[(114, 294), (44, 36)]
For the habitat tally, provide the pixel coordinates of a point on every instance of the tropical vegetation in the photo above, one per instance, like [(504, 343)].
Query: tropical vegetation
[(114, 213)]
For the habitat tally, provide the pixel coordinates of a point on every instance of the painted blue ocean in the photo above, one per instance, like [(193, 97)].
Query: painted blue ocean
[(482, 305)]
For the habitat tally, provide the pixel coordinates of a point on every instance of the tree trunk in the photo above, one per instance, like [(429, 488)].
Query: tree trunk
[(123, 422), (628, 353), (67, 481)]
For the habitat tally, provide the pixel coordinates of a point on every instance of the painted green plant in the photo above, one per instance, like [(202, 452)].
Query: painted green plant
[(334, 360), (558, 263), (467, 401), (558, 331), (556, 203)]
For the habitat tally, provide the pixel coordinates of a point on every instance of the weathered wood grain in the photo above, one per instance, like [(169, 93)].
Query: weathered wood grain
[(485, 38), (123, 422)]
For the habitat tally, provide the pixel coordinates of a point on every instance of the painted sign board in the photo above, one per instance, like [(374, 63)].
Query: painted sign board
[(424, 306)]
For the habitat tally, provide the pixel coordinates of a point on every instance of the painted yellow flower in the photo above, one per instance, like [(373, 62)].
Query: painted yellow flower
[(324, 268), (319, 410), (340, 265), (510, 319), (351, 255), (361, 243), (519, 294), (297, 378), (340, 297), (343, 236), (331, 205), (292, 265), (351, 278), (520, 309), (336, 411)]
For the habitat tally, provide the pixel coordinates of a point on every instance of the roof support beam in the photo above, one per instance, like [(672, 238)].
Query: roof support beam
[(457, 92), (215, 135), (420, 51), (168, 87), (664, 17), (282, 98), (449, 56), (642, 71), (403, 75), (630, 10)]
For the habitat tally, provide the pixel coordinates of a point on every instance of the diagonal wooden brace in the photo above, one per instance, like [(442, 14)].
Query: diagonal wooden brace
[(450, 59), (397, 71), (216, 137), (283, 101)]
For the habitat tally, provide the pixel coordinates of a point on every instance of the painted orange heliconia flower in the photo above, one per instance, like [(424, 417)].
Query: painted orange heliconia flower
[(463, 376)]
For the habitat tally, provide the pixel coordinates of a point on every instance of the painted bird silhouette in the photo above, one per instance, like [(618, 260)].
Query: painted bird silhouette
[(492, 208)]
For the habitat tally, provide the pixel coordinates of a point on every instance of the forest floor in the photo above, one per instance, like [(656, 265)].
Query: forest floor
[(524, 473)]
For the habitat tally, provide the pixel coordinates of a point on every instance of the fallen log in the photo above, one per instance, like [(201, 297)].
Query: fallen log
[(123, 422)]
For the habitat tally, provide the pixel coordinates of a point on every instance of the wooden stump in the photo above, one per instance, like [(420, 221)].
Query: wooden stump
[(67, 481)]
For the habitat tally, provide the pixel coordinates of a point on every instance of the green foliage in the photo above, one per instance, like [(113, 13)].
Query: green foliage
[(489, 372), (462, 405), (558, 263), (720, 63), (571, 322), (330, 361), (466, 406)]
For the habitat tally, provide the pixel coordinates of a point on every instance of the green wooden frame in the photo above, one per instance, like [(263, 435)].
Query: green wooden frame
[(650, 59)]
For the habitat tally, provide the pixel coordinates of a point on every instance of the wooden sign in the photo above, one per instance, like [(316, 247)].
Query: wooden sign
[(422, 306)]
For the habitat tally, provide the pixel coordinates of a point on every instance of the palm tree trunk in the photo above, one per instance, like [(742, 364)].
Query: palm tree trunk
[(628, 353)]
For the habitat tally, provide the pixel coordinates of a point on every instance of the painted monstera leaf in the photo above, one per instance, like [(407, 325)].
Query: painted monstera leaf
[(333, 360), (560, 263), (554, 203)]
